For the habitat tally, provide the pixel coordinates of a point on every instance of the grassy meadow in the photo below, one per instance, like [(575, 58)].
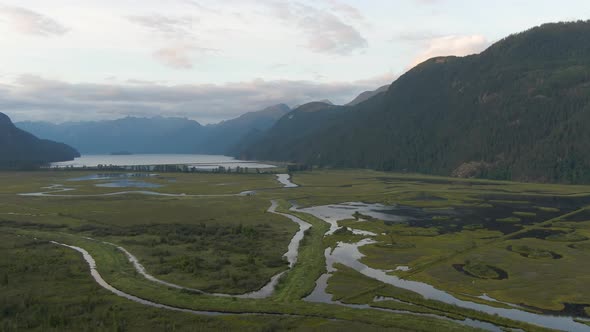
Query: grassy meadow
[(515, 242)]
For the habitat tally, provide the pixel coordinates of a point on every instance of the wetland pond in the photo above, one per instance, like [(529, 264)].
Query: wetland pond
[(349, 255)]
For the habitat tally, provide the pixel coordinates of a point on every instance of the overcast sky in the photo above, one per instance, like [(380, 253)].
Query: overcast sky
[(209, 60)]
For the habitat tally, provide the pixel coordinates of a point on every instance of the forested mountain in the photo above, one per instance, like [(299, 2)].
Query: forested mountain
[(19, 149), (222, 137), (520, 110), (156, 135)]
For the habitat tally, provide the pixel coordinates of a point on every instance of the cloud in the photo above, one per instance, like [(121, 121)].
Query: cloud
[(324, 30), (176, 32), (179, 27), (29, 22), (180, 56), (35, 98), (346, 10), (176, 57), (452, 45)]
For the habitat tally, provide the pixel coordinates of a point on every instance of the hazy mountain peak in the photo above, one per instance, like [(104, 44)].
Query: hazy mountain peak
[(314, 106)]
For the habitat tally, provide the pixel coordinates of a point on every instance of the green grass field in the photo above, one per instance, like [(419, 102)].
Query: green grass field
[(230, 244)]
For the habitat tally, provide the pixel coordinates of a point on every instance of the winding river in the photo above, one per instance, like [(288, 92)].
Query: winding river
[(266, 291), (345, 253), (98, 278)]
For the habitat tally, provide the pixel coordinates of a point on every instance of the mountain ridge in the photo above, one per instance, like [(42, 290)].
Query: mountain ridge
[(485, 115), (20, 149), (156, 134)]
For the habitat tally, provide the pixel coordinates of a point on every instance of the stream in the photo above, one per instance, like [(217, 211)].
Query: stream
[(349, 254), (345, 253), (264, 292), (57, 190), (98, 278)]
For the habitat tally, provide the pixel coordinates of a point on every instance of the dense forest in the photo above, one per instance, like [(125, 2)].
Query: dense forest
[(19, 149), (519, 110)]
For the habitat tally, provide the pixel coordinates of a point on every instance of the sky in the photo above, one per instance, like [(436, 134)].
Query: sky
[(212, 60)]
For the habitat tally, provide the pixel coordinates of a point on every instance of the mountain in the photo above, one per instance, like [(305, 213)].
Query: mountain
[(367, 95), (137, 135), (520, 110), (221, 138), (296, 125), (20, 149), (157, 134)]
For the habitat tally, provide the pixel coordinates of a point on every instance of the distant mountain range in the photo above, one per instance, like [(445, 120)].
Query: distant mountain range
[(520, 110), (158, 134), (20, 149)]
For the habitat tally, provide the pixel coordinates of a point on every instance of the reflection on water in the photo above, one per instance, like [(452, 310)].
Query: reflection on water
[(336, 212), (320, 295), (349, 255), (108, 176), (128, 184)]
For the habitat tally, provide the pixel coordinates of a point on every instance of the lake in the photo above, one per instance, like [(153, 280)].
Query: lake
[(192, 160)]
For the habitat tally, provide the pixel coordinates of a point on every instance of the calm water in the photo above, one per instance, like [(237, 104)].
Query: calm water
[(197, 160), (349, 254)]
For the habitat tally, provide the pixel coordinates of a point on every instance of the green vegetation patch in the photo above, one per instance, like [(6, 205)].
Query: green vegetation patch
[(534, 253), (580, 246), (509, 220), (481, 270), (567, 237), (524, 214), (45, 287)]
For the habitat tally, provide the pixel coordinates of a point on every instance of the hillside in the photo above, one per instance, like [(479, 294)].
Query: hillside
[(221, 138), (19, 149), (520, 110)]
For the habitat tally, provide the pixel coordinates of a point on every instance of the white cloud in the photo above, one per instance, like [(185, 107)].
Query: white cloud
[(29, 22), (345, 9), (178, 36), (177, 27), (35, 98), (452, 45), (324, 30), (179, 56)]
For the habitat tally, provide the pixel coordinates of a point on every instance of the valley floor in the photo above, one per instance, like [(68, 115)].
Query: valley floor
[(383, 251)]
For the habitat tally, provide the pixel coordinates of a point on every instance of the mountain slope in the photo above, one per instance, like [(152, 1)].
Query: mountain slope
[(137, 135), (156, 135), (18, 148), (520, 110), (221, 138)]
